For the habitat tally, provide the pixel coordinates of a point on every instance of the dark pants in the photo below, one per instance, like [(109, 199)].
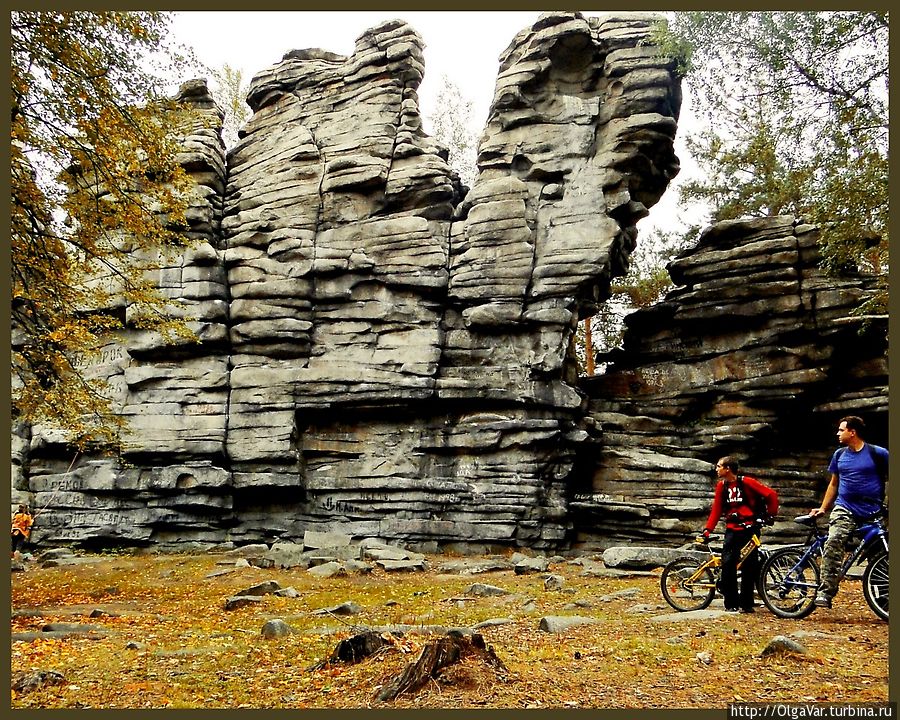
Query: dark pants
[(18, 542), (735, 540)]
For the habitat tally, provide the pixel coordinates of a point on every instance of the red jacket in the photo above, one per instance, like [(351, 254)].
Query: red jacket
[(730, 500)]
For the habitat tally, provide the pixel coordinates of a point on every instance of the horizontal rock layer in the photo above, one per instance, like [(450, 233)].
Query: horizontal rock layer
[(755, 354), (387, 354)]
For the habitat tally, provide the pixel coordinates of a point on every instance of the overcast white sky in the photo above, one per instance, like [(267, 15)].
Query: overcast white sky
[(463, 45)]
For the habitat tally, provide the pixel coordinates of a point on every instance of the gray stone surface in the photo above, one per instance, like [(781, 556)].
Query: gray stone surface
[(783, 644), (345, 608), (483, 590), (755, 353), (530, 565), (645, 557), (275, 628), (239, 601), (561, 623), (388, 354), (329, 569)]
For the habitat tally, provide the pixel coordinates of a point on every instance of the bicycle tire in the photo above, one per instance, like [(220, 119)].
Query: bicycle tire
[(789, 597), (680, 592), (876, 584)]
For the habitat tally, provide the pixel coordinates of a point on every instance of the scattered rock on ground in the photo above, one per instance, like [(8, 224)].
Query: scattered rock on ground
[(629, 556), (275, 629), (475, 566), (345, 608), (781, 644), (529, 565), (484, 590), (561, 623), (329, 569), (625, 593), (25, 682), (402, 565), (554, 582), (239, 601)]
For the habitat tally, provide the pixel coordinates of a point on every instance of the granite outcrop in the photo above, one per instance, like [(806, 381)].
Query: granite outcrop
[(388, 354)]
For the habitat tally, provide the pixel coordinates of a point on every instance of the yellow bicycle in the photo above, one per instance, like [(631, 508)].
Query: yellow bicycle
[(687, 583)]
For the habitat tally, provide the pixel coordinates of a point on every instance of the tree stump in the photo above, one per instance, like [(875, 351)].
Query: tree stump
[(436, 655)]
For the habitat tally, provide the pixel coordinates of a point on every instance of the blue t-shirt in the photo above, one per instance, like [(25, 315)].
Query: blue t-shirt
[(860, 490)]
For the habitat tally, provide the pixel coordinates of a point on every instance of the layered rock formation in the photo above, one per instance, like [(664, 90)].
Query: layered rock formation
[(387, 355), (381, 353), (755, 354)]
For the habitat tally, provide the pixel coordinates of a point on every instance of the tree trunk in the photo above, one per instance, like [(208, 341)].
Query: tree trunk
[(436, 655), (588, 348)]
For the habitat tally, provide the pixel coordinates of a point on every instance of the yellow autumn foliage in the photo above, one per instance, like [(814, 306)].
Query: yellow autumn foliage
[(96, 193)]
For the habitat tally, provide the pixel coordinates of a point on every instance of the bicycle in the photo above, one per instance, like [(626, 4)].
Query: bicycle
[(790, 575), (689, 584)]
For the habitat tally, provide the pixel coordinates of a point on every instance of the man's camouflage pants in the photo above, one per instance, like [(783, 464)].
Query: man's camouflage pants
[(841, 525)]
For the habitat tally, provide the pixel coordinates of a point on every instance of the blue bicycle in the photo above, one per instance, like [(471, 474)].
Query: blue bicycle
[(790, 575)]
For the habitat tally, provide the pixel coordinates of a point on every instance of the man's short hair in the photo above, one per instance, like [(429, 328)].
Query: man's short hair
[(730, 463), (855, 423)]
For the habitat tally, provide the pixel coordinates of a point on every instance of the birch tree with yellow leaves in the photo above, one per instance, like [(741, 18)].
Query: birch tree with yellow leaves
[(95, 185)]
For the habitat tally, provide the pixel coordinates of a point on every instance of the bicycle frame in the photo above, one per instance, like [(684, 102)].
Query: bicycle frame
[(714, 562), (869, 534)]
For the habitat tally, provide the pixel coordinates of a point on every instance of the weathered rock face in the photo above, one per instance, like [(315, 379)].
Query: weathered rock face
[(757, 355), (385, 355), (381, 354)]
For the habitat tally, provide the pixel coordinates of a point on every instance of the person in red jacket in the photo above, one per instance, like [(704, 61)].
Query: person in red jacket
[(745, 503)]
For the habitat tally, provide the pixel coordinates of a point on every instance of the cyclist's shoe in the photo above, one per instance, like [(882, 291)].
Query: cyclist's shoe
[(823, 601), (747, 610), (731, 610)]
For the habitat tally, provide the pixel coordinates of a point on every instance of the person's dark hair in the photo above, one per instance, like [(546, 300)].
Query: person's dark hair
[(854, 423), (730, 463)]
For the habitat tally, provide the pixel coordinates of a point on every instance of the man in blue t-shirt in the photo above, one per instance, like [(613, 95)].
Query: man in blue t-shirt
[(857, 490)]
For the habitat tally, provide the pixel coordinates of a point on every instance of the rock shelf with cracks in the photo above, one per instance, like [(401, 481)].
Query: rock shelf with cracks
[(388, 354)]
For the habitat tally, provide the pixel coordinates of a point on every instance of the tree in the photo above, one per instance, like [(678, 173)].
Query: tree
[(94, 179), (646, 283), (796, 105), (451, 126), (230, 92)]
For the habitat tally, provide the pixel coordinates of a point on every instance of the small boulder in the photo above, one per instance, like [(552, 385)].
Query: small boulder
[(345, 608), (268, 587), (554, 582), (288, 592), (483, 590), (329, 569), (530, 565), (275, 629), (402, 565), (239, 601), (781, 644), (561, 623), (25, 682), (287, 555)]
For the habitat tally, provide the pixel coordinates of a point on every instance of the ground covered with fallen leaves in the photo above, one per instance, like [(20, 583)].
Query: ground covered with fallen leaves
[(165, 640)]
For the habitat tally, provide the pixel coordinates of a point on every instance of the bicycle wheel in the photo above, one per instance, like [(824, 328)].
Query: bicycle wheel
[(788, 585), (686, 585), (876, 584)]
